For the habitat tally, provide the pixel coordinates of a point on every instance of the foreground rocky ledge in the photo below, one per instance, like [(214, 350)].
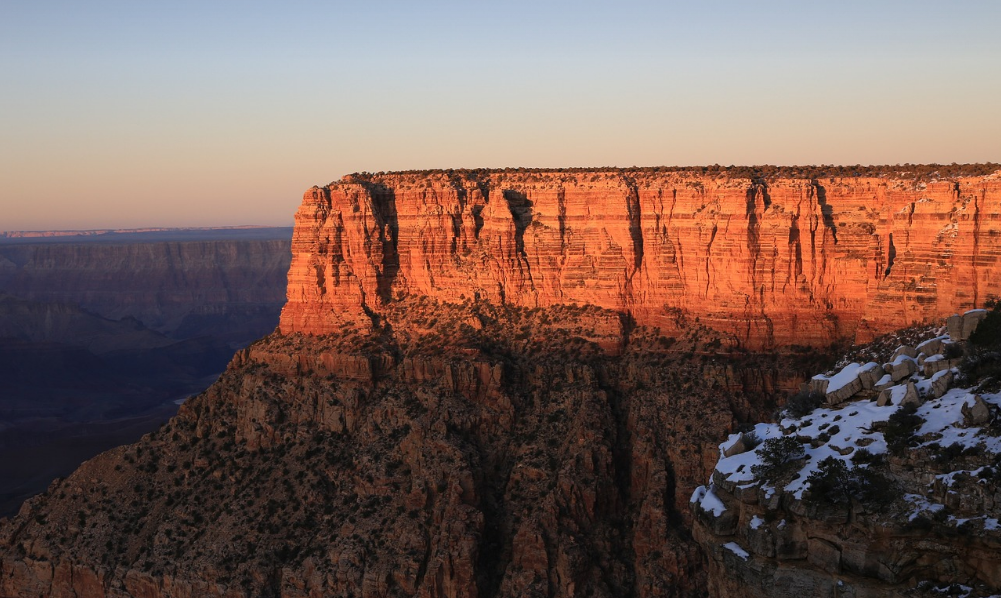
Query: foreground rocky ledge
[(882, 482)]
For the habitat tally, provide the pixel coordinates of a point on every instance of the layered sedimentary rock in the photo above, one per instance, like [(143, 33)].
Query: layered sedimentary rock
[(232, 287), (765, 263)]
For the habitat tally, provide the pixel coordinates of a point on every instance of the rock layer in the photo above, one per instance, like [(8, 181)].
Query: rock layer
[(231, 287), (783, 262)]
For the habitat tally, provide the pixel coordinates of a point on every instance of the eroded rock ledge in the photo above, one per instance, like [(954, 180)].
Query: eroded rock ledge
[(891, 490)]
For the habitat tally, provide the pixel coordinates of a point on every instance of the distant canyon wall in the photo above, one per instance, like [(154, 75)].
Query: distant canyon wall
[(182, 289), (767, 264)]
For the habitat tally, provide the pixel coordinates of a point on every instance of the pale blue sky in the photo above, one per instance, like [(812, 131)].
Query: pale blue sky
[(118, 114)]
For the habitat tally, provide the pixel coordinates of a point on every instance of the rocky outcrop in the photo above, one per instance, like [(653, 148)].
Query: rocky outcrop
[(782, 262), (507, 453), (900, 497)]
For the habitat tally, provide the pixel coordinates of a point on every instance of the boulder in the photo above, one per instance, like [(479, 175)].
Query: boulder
[(901, 367), (899, 395), (962, 326), (841, 386), (883, 383), (955, 326), (845, 392), (870, 374), (976, 414), (940, 383), (741, 446), (971, 320), (904, 350), (819, 384), (911, 396), (932, 346)]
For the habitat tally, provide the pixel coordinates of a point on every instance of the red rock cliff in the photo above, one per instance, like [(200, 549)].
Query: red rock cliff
[(790, 261)]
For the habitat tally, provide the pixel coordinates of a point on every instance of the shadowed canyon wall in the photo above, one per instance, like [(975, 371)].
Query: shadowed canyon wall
[(182, 289), (783, 262), (99, 339)]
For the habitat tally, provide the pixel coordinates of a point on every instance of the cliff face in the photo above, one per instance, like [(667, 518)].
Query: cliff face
[(183, 289), (453, 451), (792, 261)]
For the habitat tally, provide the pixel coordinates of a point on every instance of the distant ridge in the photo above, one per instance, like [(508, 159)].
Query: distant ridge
[(147, 234)]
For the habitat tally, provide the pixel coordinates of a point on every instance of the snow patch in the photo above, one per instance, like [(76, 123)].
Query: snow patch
[(709, 502), (737, 550), (842, 379)]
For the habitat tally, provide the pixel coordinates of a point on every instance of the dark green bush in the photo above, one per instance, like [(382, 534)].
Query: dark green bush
[(954, 451), (803, 403), (982, 367), (952, 351), (750, 439), (988, 332), (779, 458), (865, 457), (834, 483), (901, 427)]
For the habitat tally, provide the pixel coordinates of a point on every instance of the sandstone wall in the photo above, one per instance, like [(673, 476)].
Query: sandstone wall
[(793, 261)]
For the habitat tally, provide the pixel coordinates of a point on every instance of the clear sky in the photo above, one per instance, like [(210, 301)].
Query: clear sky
[(124, 114)]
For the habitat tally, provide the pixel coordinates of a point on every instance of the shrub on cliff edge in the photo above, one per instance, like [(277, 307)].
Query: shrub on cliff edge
[(834, 483), (779, 458), (803, 403)]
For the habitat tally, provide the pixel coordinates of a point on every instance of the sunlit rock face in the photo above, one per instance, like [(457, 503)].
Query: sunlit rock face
[(765, 263)]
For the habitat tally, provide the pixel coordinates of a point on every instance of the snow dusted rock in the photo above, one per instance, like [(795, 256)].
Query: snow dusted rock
[(841, 386), (713, 512), (904, 350), (941, 382), (761, 541), (885, 382), (901, 367), (962, 326), (911, 396), (901, 394), (941, 529), (741, 446), (976, 414), (870, 374), (937, 363), (932, 346)]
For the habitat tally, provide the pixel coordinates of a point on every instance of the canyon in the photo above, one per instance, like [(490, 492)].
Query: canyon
[(507, 383), (182, 284)]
